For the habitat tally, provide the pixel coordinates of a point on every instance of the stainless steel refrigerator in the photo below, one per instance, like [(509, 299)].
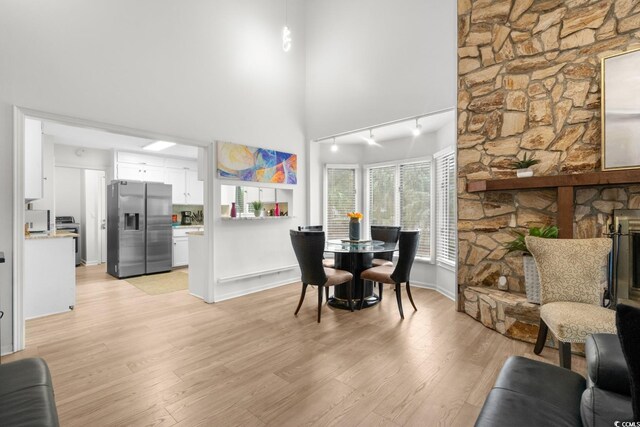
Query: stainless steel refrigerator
[(139, 234)]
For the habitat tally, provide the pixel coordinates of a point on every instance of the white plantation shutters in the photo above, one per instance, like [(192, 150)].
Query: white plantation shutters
[(445, 207), (400, 194), (340, 198), (382, 195), (415, 202)]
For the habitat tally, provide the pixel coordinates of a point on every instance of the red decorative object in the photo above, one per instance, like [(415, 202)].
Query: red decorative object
[(233, 210), (277, 212)]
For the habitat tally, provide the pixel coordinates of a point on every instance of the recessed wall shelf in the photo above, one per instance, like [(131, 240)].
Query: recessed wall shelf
[(254, 218), (565, 186)]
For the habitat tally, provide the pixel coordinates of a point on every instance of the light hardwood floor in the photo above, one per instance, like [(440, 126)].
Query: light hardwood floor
[(123, 357)]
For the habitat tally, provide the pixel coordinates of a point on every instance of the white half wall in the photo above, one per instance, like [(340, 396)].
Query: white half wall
[(373, 61)]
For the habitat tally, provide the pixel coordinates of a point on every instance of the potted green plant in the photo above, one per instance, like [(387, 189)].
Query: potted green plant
[(257, 207), (523, 167), (531, 279)]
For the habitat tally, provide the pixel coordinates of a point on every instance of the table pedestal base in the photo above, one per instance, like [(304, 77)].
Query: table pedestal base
[(356, 263)]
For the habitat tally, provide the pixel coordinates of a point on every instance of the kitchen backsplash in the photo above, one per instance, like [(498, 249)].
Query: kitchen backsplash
[(196, 211)]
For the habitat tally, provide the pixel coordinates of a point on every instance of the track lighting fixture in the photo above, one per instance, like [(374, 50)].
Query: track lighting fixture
[(418, 129), (371, 140), (334, 147)]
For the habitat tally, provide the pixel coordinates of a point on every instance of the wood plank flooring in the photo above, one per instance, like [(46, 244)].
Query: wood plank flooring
[(125, 358)]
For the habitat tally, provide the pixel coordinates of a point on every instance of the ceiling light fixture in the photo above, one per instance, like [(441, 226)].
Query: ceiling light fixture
[(286, 32), (334, 147), (371, 140), (158, 146), (418, 129)]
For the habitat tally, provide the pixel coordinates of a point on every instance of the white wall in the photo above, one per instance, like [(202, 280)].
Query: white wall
[(372, 61), (195, 69), (68, 190)]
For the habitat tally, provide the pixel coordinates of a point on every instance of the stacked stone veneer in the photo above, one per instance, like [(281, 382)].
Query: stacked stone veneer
[(529, 82)]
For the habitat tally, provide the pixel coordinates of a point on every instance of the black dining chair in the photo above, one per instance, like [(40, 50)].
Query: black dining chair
[(387, 234), (326, 262), (309, 247), (408, 247)]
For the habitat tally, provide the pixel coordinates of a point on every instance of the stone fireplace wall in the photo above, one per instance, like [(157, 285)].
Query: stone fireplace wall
[(529, 82)]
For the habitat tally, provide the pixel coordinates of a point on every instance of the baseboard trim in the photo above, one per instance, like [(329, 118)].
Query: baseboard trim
[(255, 289), (7, 349), (434, 287)]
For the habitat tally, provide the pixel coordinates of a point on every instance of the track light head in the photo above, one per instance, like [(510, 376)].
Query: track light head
[(417, 130), (334, 147), (371, 140)]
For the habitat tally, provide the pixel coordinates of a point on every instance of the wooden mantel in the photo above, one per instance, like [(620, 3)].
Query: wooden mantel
[(565, 186)]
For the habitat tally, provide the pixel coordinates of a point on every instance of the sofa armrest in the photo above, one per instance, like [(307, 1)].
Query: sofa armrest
[(601, 408), (606, 366)]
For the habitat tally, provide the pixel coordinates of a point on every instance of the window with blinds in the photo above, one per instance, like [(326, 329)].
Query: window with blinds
[(340, 198), (445, 206), (415, 202), (400, 194), (382, 195)]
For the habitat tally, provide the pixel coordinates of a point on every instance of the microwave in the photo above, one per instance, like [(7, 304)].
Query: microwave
[(37, 220)]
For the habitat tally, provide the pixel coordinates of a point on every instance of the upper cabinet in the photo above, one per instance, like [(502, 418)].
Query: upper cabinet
[(187, 189), (33, 176), (180, 173)]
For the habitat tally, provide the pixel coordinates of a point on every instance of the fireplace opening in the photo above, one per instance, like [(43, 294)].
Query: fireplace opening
[(626, 277)]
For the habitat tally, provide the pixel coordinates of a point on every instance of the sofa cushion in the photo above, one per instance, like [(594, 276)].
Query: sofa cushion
[(26, 394), (570, 269), (601, 408), (532, 393), (574, 321), (606, 366)]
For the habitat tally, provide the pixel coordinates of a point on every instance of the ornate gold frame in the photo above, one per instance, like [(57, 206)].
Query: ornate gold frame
[(602, 111)]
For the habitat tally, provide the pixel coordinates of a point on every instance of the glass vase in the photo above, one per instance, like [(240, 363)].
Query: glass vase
[(354, 230)]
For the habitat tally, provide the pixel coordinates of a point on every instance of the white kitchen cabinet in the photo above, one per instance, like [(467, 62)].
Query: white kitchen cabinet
[(48, 184), (140, 159), (176, 178), (134, 172), (187, 190), (33, 182), (195, 188), (180, 251), (49, 276)]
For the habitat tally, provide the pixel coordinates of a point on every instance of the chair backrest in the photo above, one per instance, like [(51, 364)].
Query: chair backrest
[(309, 228), (571, 270), (408, 247), (387, 234), (309, 247)]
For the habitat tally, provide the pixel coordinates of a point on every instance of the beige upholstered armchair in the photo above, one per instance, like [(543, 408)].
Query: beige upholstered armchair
[(572, 279)]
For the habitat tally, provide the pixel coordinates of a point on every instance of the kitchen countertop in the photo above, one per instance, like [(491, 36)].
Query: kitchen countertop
[(50, 235), (195, 233), (189, 226)]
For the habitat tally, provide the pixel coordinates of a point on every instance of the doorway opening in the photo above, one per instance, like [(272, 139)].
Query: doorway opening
[(63, 169)]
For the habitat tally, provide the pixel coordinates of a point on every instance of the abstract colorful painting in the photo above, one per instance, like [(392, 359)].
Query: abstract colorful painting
[(245, 163)]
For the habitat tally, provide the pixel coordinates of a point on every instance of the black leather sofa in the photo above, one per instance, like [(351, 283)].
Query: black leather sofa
[(26, 395), (533, 393)]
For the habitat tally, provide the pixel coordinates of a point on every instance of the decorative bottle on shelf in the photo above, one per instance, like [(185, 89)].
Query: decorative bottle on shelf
[(277, 211), (233, 210)]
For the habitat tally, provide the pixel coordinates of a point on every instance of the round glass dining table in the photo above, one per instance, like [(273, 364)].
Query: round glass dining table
[(355, 257)]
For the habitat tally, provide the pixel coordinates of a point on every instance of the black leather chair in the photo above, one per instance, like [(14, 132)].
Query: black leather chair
[(533, 393), (408, 247), (26, 394), (330, 263), (309, 247), (387, 234)]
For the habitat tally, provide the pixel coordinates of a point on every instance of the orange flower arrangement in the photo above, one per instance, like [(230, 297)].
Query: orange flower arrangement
[(354, 216)]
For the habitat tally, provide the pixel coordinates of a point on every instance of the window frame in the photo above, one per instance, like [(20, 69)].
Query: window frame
[(446, 263), (397, 164), (325, 189)]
